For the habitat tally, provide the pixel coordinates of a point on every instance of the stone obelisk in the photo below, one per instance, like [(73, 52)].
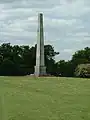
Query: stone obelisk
[(40, 69)]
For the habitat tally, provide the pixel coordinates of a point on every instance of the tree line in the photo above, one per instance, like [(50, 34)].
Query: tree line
[(20, 60)]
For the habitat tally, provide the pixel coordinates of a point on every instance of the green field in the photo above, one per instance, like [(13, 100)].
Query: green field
[(28, 98)]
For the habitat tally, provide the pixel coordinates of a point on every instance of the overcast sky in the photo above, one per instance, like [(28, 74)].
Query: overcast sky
[(66, 23)]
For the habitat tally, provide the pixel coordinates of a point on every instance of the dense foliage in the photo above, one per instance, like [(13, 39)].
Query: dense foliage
[(82, 70), (20, 60), (68, 68)]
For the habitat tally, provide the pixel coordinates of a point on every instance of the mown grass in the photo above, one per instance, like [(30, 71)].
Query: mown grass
[(28, 98)]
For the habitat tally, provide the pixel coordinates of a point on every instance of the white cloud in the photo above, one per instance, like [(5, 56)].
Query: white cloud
[(68, 50), (66, 23)]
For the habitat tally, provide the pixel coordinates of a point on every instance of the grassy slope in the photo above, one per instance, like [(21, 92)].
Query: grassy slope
[(25, 98)]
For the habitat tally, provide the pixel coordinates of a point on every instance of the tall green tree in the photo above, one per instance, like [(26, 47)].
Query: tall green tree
[(23, 58), (50, 54), (65, 68)]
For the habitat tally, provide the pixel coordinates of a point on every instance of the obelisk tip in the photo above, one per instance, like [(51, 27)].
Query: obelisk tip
[(41, 14)]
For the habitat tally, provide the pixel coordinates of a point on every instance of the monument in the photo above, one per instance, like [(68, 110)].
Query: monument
[(40, 69)]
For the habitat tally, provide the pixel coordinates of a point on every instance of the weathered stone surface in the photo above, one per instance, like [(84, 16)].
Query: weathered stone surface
[(40, 69)]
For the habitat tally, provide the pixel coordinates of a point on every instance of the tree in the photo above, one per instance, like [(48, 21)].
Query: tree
[(23, 59), (81, 56), (50, 59), (65, 68), (8, 68), (6, 50)]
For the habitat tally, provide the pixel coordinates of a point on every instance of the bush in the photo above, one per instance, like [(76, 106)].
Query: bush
[(82, 70)]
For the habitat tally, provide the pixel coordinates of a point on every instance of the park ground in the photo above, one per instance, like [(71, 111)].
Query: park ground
[(28, 98)]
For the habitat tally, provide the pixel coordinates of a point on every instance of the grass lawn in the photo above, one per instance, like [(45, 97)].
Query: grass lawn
[(27, 98)]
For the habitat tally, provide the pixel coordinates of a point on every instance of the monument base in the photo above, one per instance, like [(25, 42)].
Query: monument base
[(40, 71)]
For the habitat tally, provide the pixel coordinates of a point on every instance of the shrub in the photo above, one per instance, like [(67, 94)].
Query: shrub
[(82, 70)]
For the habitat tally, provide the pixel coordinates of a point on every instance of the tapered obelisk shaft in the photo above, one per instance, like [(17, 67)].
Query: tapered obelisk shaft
[(40, 68)]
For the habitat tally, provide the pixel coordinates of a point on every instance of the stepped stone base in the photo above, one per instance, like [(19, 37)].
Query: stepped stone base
[(40, 71)]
